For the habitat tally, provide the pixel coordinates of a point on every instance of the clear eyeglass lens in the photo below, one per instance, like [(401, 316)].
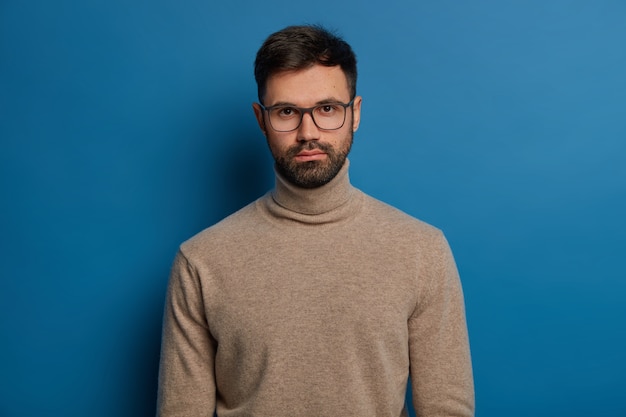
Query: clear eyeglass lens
[(326, 116)]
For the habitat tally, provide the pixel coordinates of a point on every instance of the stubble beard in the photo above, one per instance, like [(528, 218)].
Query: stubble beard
[(313, 174)]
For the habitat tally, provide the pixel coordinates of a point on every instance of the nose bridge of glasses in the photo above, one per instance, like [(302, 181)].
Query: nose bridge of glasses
[(311, 112)]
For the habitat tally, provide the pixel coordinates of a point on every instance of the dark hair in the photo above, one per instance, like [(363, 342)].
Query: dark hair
[(300, 47)]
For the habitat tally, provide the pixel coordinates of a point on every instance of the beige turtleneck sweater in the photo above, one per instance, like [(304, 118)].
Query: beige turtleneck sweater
[(315, 302)]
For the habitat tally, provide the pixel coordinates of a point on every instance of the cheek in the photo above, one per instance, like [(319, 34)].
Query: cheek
[(277, 143)]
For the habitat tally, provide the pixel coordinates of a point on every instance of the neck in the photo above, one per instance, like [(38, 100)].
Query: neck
[(312, 201)]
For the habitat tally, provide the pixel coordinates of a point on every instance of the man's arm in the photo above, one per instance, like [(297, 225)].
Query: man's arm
[(186, 375), (441, 370)]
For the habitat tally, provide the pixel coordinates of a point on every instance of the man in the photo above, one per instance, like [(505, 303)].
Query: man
[(316, 299)]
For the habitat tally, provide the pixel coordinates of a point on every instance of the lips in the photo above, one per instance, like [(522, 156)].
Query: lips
[(311, 152), (310, 155)]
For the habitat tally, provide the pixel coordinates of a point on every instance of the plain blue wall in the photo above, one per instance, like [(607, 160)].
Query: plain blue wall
[(126, 127)]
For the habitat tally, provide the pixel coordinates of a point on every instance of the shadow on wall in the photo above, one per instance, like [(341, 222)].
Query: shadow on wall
[(141, 385), (242, 172)]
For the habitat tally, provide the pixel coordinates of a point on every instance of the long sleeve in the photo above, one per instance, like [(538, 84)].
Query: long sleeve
[(440, 364), (186, 375)]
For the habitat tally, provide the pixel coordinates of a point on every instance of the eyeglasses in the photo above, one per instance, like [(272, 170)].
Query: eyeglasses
[(328, 116)]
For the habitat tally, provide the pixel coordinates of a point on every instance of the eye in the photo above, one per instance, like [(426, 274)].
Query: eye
[(327, 110), (286, 112)]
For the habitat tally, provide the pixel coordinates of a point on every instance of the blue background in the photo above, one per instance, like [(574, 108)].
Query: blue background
[(126, 127)]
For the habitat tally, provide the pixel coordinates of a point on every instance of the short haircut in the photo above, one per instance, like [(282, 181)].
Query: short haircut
[(299, 47)]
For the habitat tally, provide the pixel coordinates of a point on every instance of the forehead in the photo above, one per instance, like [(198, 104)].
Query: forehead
[(307, 86)]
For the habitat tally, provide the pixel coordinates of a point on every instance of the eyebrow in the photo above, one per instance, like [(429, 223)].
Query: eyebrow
[(329, 100)]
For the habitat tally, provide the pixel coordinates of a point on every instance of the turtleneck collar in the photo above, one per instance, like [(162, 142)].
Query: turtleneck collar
[(313, 200), (329, 203)]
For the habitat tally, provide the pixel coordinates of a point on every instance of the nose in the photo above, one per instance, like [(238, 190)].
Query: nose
[(308, 130)]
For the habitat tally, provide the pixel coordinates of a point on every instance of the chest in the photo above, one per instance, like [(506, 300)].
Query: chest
[(304, 291)]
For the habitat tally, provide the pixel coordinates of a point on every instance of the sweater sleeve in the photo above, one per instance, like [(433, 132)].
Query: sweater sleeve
[(440, 363), (186, 374)]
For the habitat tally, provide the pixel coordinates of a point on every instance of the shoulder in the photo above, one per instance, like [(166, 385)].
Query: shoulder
[(391, 218), (234, 228)]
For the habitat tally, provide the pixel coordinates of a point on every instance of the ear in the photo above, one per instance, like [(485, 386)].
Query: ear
[(260, 119), (356, 111)]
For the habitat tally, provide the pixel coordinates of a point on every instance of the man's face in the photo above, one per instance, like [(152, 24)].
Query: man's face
[(309, 157)]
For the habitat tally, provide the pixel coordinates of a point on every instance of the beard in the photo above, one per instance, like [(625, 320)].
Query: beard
[(313, 174)]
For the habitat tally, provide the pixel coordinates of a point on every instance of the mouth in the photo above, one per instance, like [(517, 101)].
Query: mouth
[(310, 155)]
